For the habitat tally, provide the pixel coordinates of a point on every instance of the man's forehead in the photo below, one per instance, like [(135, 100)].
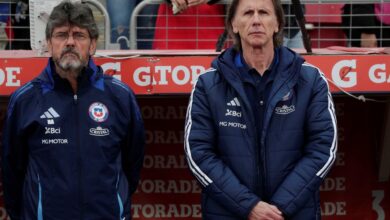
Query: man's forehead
[(70, 28)]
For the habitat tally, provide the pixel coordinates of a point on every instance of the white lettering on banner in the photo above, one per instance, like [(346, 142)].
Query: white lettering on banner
[(9, 76), (164, 137), (163, 70), (149, 186), (185, 77), (350, 79), (340, 159), (333, 183), (165, 162), (334, 208), (116, 66), (163, 112), (340, 108), (144, 79), (180, 75), (166, 210), (380, 76), (340, 134)]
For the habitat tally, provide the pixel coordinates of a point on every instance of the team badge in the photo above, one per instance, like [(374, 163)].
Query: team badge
[(98, 112)]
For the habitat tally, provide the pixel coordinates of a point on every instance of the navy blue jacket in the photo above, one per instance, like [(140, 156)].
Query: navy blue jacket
[(297, 147), (72, 156)]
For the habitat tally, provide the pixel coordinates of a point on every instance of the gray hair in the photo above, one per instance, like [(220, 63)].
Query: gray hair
[(277, 38), (68, 13)]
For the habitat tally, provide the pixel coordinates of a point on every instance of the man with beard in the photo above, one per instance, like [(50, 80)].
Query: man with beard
[(73, 139)]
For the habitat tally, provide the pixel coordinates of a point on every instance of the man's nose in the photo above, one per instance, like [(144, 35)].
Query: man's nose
[(257, 18), (70, 40)]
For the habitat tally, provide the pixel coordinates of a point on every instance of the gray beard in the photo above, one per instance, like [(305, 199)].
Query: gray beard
[(70, 67)]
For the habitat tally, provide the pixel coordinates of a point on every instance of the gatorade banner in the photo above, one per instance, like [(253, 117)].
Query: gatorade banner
[(177, 74)]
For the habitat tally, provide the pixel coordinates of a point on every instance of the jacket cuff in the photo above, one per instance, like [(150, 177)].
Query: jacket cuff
[(252, 205)]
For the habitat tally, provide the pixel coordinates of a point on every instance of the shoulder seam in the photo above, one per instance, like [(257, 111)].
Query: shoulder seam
[(120, 84), (16, 96)]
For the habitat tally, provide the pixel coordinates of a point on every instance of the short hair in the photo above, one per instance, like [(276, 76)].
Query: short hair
[(68, 13), (277, 38)]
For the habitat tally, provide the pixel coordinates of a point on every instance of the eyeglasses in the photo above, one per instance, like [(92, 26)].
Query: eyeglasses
[(77, 36)]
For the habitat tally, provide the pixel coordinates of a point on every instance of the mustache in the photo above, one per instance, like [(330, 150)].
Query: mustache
[(70, 50)]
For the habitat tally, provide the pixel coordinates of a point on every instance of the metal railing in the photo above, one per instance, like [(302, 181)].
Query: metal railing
[(107, 29), (12, 28), (318, 24)]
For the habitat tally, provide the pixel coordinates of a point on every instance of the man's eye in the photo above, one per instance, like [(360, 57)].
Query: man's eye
[(79, 36), (61, 36)]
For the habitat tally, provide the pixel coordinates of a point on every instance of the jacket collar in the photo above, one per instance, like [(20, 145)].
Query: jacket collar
[(90, 75), (288, 67)]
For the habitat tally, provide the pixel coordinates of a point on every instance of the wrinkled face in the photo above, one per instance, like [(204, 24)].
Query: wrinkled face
[(70, 47), (256, 23)]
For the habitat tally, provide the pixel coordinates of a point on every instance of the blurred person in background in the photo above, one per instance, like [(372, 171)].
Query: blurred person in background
[(20, 26), (189, 24), (260, 132), (367, 25), (120, 12), (6, 32), (292, 33)]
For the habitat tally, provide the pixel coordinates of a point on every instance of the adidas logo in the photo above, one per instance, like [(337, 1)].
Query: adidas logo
[(234, 102), (50, 114)]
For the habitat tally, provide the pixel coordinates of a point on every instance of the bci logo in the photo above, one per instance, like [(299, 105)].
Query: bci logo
[(50, 130)]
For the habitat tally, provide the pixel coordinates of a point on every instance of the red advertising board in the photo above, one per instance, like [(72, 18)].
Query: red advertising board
[(176, 74)]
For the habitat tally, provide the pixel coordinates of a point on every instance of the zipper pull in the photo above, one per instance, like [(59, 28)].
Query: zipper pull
[(75, 98)]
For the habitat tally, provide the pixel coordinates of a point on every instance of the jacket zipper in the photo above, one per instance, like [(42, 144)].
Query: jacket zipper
[(75, 102), (259, 189), (262, 157), (264, 179)]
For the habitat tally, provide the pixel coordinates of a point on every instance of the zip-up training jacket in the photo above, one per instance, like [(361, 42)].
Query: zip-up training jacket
[(72, 156), (284, 167)]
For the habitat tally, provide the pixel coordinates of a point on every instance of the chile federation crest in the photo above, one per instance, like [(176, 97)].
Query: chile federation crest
[(98, 112)]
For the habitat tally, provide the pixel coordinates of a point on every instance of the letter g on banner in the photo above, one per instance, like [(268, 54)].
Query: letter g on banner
[(347, 79)]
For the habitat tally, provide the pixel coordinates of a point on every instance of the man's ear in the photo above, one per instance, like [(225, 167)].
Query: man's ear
[(234, 27), (92, 47)]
